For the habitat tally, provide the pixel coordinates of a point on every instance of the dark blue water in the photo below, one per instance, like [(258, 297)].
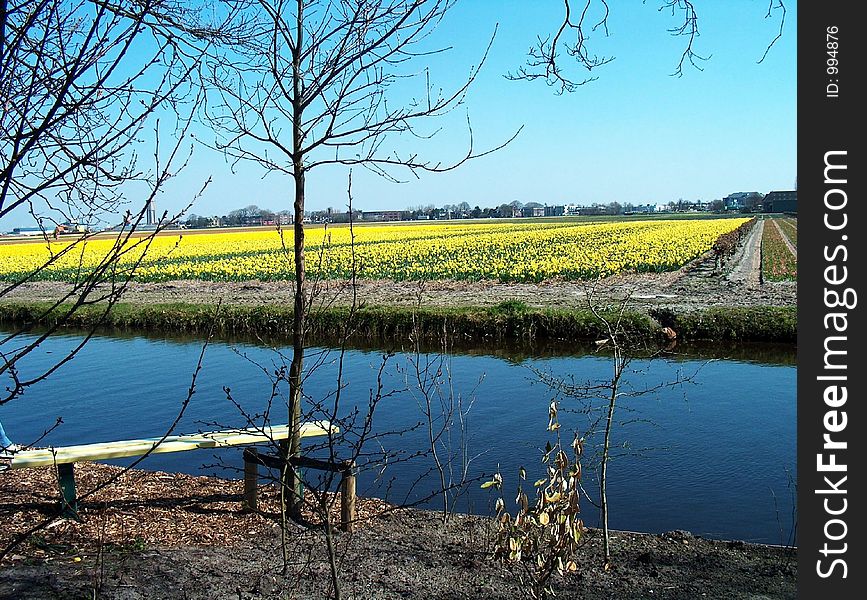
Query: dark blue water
[(715, 456)]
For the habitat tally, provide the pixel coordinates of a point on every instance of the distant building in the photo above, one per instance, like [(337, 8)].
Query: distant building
[(381, 215), (533, 211), (785, 201), (345, 216), (571, 210), (252, 221), (555, 211), (74, 227), (151, 214), (738, 200), (510, 212), (596, 209), (29, 231)]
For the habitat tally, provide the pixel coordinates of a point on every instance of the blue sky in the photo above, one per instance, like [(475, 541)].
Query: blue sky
[(637, 134)]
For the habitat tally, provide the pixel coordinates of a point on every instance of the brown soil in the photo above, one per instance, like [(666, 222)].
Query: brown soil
[(160, 535)]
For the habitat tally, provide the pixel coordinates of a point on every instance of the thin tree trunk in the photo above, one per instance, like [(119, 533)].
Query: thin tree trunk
[(291, 481), (606, 446), (603, 478), (297, 366), (332, 554)]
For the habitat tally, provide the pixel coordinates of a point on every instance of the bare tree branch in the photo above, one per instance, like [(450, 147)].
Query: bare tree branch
[(554, 58), (545, 57), (773, 6)]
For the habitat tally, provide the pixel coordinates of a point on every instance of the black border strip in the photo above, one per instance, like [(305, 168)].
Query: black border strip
[(831, 233)]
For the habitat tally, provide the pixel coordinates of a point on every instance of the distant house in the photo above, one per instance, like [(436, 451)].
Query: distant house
[(738, 200), (596, 209), (510, 212), (571, 210), (345, 216), (74, 227), (381, 215), (781, 201), (533, 210), (555, 211)]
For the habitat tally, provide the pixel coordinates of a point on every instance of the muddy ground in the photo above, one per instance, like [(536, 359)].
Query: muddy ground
[(165, 536), (700, 284)]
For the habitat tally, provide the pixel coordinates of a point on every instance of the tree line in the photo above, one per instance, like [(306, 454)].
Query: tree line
[(253, 215)]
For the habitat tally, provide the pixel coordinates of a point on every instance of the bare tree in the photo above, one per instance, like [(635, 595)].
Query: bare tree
[(312, 88), (609, 391), (79, 82), (445, 411), (82, 82), (84, 88), (352, 444)]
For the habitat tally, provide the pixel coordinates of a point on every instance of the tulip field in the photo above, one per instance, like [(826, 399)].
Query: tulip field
[(778, 262), (510, 252), (789, 226)]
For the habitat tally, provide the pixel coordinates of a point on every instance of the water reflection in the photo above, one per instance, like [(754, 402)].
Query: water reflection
[(516, 351)]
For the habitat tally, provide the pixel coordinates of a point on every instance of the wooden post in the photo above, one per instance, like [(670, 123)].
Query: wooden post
[(347, 498), (66, 481), (251, 479)]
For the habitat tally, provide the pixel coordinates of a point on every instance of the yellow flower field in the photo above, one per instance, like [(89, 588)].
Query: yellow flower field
[(512, 251)]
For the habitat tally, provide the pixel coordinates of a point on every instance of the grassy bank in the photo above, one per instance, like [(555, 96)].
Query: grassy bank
[(509, 320)]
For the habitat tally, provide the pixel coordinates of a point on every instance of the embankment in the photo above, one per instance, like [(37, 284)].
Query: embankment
[(506, 321)]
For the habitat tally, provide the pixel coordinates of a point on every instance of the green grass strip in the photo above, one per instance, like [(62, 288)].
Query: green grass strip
[(754, 324), (509, 320)]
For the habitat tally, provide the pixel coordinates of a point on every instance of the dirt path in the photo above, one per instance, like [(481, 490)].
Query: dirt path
[(785, 238), (748, 267)]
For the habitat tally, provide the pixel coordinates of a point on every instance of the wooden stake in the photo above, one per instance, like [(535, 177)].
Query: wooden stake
[(251, 479), (347, 499)]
